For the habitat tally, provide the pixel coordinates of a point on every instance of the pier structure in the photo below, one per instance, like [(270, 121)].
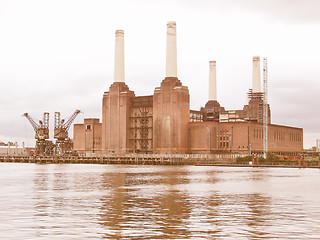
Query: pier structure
[(231, 160)]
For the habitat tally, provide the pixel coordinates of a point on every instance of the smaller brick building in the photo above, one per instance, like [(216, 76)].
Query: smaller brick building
[(243, 137), (88, 136)]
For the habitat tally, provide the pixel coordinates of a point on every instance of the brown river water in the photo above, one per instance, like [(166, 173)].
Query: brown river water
[(68, 201)]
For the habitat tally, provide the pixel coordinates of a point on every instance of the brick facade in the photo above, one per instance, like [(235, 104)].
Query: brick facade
[(164, 123)]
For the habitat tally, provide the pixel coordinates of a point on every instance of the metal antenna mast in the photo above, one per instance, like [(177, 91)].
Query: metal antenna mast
[(265, 107)]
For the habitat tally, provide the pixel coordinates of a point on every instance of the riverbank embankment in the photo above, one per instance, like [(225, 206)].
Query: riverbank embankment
[(144, 159)]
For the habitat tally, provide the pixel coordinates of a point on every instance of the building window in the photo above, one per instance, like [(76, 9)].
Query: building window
[(88, 127)]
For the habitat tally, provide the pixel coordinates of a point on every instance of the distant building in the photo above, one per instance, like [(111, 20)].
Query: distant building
[(164, 123), (318, 145), (12, 149)]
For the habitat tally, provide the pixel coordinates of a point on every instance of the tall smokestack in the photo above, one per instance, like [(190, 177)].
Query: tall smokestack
[(119, 57), (171, 67), (256, 82), (212, 81)]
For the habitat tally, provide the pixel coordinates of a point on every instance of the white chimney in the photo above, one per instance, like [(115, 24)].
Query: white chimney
[(119, 57), (171, 67), (9, 145), (256, 76), (212, 81), (23, 148)]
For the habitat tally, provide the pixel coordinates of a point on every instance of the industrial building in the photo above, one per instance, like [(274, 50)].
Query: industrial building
[(12, 149), (163, 123)]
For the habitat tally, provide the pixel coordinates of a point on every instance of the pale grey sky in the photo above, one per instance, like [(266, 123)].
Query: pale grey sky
[(58, 55)]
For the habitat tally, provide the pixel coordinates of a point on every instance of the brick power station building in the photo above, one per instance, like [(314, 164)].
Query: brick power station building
[(164, 124)]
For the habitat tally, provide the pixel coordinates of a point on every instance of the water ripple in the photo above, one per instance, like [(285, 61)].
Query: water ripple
[(157, 202)]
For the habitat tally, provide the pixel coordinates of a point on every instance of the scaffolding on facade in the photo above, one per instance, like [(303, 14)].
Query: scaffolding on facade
[(141, 130), (265, 107)]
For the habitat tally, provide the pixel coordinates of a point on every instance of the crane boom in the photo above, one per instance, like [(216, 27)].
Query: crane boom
[(41, 129), (68, 123), (61, 127), (32, 122)]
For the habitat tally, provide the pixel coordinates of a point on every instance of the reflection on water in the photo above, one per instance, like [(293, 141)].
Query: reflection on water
[(157, 202)]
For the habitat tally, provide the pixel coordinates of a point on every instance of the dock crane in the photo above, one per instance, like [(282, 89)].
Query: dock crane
[(43, 146), (61, 128)]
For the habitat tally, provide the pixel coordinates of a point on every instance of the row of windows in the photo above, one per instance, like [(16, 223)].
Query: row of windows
[(243, 147), (196, 117), (278, 135), (257, 133), (145, 111), (224, 132), (224, 144), (295, 137), (224, 138), (141, 121), (97, 141)]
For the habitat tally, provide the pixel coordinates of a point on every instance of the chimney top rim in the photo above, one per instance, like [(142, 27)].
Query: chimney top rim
[(119, 31)]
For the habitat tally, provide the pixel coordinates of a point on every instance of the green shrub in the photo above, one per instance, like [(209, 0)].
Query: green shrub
[(244, 159), (271, 157)]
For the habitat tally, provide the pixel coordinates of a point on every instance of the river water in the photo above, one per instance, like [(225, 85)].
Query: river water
[(67, 201)]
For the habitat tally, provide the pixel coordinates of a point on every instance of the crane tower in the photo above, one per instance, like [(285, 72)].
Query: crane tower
[(61, 128), (41, 128)]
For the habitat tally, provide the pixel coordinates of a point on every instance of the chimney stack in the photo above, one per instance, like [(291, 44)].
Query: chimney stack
[(171, 64), (256, 76), (119, 57), (212, 81), (23, 148)]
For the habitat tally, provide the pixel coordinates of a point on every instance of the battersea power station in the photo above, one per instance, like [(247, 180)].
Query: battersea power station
[(163, 123)]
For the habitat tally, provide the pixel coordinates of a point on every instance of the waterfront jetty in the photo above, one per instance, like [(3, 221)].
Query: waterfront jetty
[(135, 159), (160, 159)]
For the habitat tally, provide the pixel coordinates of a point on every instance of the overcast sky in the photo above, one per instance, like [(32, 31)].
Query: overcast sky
[(58, 55)]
